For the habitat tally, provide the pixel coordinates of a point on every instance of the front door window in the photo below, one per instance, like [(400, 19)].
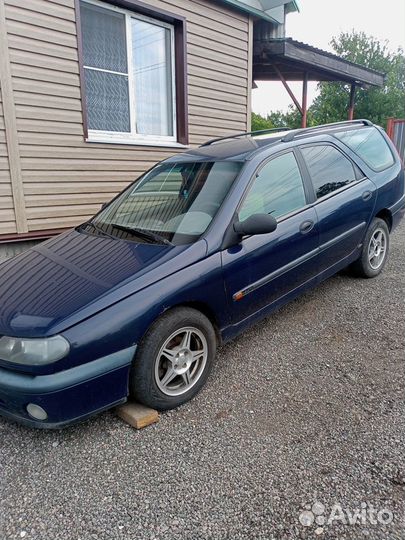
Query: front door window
[(277, 190)]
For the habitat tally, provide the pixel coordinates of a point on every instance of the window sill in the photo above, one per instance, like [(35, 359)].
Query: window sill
[(133, 142)]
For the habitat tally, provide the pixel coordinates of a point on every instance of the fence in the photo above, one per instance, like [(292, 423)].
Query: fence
[(396, 132)]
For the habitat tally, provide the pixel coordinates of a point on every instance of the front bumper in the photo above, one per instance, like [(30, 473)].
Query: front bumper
[(68, 396)]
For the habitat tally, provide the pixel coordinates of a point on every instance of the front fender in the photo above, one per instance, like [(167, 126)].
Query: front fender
[(123, 324)]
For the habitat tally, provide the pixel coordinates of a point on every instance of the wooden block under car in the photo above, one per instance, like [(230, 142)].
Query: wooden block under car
[(137, 415)]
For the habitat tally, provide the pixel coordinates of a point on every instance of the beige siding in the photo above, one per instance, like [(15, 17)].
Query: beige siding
[(66, 179), (7, 216)]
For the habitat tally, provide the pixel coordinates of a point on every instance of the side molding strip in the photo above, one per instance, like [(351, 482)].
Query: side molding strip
[(277, 273), (342, 236)]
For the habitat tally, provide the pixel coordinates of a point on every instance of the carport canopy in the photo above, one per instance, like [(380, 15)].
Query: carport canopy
[(284, 59)]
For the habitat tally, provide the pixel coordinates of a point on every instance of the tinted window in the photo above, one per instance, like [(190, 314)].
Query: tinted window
[(277, 190), (329, 168), (173, 201), (370, 145)]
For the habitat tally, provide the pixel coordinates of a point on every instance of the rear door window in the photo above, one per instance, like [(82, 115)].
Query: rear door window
[(329, 169), (370, 145)]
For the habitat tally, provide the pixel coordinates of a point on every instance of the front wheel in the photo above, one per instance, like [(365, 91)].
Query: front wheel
[(375, 250), (174, 359)]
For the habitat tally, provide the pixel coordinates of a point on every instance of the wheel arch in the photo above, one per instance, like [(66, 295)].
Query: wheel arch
[(206, 310), (386, 215)]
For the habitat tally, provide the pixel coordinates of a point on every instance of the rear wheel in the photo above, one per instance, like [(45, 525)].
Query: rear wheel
[(375, 250), (174, 359)]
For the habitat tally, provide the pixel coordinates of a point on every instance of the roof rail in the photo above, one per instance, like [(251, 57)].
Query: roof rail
[(291, 136), (245, 134)]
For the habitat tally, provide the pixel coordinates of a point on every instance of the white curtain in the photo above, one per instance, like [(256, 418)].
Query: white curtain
[(151, 52)]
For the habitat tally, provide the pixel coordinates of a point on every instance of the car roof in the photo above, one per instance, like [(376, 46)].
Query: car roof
[(229, 149), (242, 146)]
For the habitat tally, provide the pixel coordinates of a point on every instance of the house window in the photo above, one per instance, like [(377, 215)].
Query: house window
[(129, 75)]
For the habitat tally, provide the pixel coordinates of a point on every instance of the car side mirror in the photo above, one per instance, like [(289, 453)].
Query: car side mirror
[(256, 224)]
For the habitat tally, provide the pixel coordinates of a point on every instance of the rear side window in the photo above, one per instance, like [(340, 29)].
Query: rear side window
[(329, 169), (370, 145)]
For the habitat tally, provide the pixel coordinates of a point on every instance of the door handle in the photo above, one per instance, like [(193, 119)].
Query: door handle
[(367, 195), (306, 226)]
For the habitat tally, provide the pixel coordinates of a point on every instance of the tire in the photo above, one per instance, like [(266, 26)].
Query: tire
[(166, 379), (374, 253)]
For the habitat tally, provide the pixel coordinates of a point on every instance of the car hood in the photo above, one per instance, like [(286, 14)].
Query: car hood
[(66, 279)]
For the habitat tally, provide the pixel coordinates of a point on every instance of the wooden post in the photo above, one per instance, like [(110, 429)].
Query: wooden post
[(351, 101), (304, 100), (290, 92)]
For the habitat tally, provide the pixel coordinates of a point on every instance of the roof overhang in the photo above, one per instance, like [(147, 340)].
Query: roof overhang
[(270, 10), (295, 59)]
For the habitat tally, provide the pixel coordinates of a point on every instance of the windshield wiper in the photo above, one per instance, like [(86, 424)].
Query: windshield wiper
[(142, 233), (97, 228)]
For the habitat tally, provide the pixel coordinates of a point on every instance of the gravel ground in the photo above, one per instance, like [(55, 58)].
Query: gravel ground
[(306, 407)]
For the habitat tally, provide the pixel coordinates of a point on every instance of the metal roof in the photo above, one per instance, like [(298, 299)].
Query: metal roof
[(294, 58), (270, 10)]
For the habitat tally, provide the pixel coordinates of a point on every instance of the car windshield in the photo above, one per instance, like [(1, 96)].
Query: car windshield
[(173, 203)]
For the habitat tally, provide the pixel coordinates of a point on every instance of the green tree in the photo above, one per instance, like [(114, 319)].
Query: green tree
[(261, 122), (277, 119), (376, 104), (292, 118)]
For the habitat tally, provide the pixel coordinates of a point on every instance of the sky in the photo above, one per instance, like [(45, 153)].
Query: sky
[(317, 22)]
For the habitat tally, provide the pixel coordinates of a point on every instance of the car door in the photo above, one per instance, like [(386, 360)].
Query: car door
[(344, 201), (261, 269)]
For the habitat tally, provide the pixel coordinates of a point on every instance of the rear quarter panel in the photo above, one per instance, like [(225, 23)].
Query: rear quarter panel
[(390, 186)]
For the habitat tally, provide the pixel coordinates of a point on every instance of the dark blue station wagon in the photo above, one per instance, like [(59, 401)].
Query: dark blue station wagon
[(135, 301)]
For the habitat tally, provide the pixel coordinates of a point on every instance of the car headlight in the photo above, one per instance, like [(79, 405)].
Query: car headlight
[(33, 352)]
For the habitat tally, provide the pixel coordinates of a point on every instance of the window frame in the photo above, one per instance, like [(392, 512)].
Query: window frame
[(177, 26), (304, 178), (359, 175)]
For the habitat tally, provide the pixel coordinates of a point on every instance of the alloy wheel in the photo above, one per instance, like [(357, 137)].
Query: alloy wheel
[(181, 361), (377, 248)]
